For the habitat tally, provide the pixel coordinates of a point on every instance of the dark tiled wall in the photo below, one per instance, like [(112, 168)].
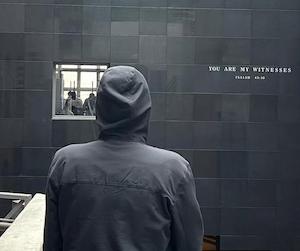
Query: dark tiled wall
[(241, 137)]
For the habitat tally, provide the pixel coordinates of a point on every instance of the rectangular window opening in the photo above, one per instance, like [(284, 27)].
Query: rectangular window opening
[(75, 89)]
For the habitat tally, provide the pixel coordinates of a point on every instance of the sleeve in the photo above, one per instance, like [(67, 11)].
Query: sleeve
[(187, 223), (52, 233)]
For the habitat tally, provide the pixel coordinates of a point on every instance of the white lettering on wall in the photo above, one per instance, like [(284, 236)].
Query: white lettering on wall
[(258, 72)]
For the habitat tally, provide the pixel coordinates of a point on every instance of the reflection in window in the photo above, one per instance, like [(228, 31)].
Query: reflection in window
[(74, 91)]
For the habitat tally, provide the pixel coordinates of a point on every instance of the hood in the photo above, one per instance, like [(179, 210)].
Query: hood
[(123, 104)]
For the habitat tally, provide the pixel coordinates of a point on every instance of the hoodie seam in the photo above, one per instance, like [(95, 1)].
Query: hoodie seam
[(111, 185)]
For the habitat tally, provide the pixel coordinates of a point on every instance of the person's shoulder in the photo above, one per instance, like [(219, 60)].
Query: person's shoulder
[(170, 160), (167, 154), (170, 170), (73, 150)]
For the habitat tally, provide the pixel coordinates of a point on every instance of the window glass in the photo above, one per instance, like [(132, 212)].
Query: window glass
[(74, 90), (88, 66), (103, 67), (65, 66), (69, 79), (88, 80)]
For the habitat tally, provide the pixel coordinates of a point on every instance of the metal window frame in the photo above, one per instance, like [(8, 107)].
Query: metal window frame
[(77, 69)]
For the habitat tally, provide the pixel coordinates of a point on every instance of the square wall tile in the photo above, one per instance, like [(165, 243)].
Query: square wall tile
[(207, 135), (191, 22), (96, 48), (181, 50), (39, 47), (68, 132), (11, 17), (11, 132), (288, 165), (68, 19), (12, 75), (207, 107), (208, 192), (233, 164), (179, 135), (33, 16), (209, 22), (262, 217), (263, 108), (185, 78), (12, 46), (11, 103), (236, 51), (288, 84), (36, 161), (263, 51), (156, 76), (235, 107), (205, 164), (179, 107), (288, 24), (263, 165), (124, 21), (234, 136), (68, 47), (96, 20), (262, 136), (266, 24), (233, 193), (10, 161), (288, 193), (287, 54), (152, 49), (38, 75), (234, 221), (262, 193), (124, 49), (209, 51), (153, 21), (237, 23), (289, 136)]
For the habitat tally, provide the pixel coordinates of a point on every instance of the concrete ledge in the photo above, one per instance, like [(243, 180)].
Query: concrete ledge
[(26, 232)]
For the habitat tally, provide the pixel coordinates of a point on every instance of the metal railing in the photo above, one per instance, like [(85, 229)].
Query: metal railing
[(19, 202)]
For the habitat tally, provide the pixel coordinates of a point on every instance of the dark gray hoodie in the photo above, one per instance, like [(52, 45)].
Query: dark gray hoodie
[(118, 193)]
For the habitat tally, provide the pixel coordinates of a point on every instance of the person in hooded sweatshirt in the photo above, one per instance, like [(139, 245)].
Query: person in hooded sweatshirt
[(118, 193)]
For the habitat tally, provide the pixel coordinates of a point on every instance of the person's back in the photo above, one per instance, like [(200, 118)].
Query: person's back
[(118, 193)]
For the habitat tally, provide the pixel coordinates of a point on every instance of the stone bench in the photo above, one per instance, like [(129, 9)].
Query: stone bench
[(26, 232)]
